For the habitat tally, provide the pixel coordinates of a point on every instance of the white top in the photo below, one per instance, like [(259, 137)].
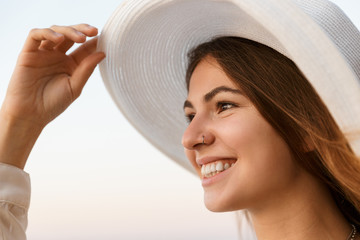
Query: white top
[(14, 202)]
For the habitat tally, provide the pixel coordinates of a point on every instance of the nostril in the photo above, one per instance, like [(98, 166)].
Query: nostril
[(191, 143), (186, 142), (191, 138), (197, 133)]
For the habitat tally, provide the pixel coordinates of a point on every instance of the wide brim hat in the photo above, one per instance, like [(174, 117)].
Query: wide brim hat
[(147, 41)]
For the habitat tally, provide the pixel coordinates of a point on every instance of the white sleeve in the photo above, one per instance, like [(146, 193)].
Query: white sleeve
[(14, 202)]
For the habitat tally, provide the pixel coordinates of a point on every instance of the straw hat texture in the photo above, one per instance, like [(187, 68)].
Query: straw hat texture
[(147, 41)]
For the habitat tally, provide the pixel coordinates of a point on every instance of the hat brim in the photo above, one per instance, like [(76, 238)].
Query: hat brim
[(146, 44)]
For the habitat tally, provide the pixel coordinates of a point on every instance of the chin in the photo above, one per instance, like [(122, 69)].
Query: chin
[(217, 204), (213, 208)]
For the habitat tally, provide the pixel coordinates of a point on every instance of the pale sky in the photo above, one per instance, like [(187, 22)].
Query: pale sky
[(93, 176)]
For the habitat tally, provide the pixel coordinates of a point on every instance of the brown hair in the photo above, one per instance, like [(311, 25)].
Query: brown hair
[(285, 98)]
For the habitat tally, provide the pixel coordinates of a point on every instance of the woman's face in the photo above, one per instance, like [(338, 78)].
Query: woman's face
[(243, 162)]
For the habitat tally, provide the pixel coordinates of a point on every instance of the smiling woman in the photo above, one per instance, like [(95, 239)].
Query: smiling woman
[(271, 98), (280, 139)]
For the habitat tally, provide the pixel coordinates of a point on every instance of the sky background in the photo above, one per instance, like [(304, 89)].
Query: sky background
[(93, 176)]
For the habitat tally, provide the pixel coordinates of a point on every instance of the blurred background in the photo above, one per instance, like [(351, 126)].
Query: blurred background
[(93, 176)]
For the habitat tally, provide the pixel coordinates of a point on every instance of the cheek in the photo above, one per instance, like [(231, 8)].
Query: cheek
[(255, 141), (265, 165), (190, 154)]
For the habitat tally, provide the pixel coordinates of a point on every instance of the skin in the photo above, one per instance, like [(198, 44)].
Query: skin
[(284, 201), (45, 82)]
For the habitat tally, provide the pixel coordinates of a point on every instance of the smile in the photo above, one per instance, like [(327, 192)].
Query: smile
[(213, 168)]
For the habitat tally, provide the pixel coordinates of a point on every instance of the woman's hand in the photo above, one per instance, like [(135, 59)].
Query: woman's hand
[(45, 82)]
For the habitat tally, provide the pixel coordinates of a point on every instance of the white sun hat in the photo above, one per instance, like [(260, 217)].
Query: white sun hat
[(146, 43)]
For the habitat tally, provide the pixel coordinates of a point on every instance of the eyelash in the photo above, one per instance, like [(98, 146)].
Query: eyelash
[(190, 117), (220, 106)]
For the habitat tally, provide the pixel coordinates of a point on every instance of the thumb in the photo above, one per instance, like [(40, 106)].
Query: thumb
[(84, 71)]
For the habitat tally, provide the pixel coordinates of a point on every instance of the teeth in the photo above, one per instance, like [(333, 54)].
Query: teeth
[(214, 168), (219, 166), (207, 169)]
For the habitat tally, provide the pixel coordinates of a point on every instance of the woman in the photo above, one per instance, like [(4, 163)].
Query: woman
[(251, 113), (280, 145), (303, 182)]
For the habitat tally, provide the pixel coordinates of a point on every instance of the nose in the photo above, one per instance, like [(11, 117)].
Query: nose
[(197, 134)]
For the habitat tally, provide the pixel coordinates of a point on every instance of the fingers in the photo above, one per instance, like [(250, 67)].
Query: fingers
[(86, 58), (47, 44), (59, 38), (76, 33), (84, 50), (84, 71), (36, 36)]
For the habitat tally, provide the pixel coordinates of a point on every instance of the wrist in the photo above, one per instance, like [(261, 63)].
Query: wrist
[(17, 138)]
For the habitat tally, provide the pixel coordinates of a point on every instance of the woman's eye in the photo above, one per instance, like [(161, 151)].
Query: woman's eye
[(222, 106), (190, 117)]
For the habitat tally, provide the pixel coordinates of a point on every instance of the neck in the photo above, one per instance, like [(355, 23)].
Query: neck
[(307, 211)]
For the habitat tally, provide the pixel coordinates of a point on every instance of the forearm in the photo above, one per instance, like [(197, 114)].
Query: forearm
[(17, 139)]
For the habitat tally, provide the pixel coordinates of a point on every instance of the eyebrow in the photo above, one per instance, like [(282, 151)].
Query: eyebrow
[(210, 95)]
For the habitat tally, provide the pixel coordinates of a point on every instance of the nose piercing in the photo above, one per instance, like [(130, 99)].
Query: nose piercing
[(203, 140)]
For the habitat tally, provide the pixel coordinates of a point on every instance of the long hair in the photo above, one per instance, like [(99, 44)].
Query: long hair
[(285, 98)]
